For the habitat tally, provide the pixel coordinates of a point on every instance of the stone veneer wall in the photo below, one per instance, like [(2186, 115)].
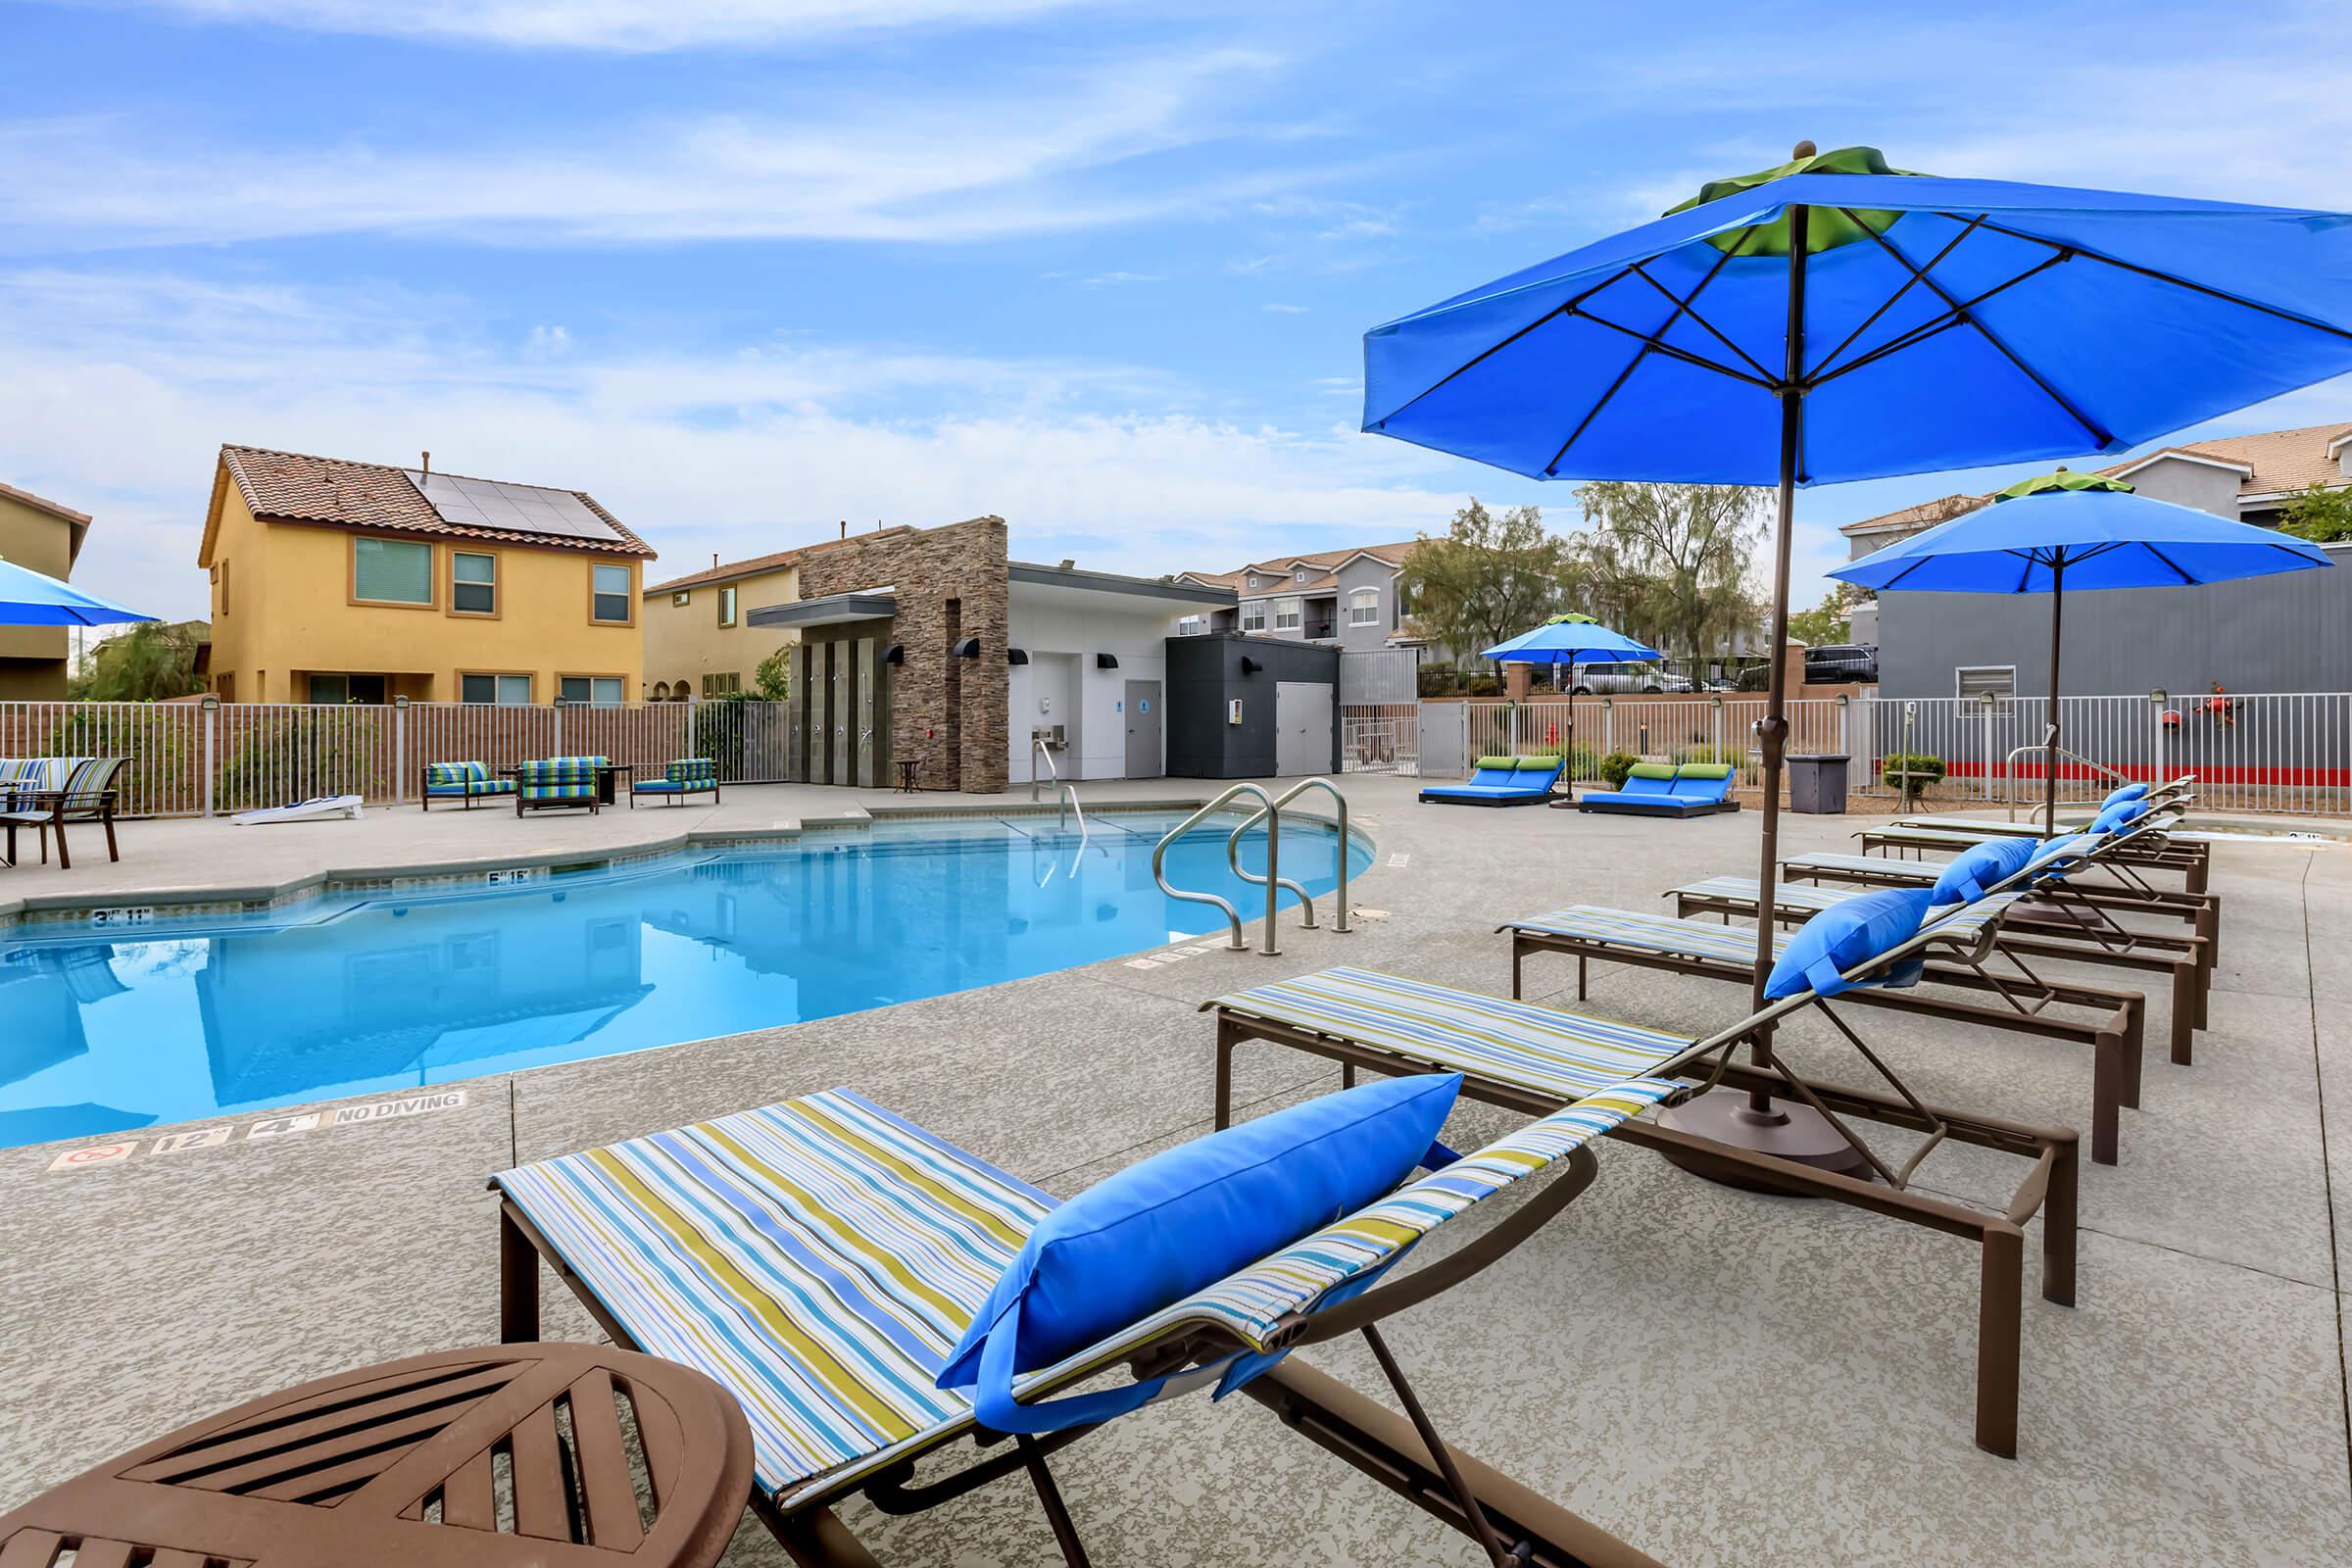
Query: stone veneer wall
[(961, 561)]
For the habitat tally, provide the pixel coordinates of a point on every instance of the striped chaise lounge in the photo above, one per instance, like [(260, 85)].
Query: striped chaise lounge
[(2193, 859), (1534, 1060), (2052, 923), (681, 777), (820, 1257), (45, 793), (555, 782), (1958, 940), (460, 781)]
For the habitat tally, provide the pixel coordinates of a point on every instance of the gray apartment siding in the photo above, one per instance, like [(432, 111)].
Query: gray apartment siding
[(1381, 578), (2286, 633), (2202, 485)]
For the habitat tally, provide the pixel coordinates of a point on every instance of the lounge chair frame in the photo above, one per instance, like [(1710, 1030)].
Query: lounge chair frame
[(47, 811), (2049, 1186), (2114, 1036), (1512, 1524), (2193, 859)]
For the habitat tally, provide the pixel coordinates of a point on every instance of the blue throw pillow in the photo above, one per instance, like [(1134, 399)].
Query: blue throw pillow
[(2061, 852), (1968, 878), (1848, 933), (1184, 1219), (2126, 792), (2118, 815)]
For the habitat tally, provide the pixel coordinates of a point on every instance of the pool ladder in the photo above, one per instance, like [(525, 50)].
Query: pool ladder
[(1269, 811)]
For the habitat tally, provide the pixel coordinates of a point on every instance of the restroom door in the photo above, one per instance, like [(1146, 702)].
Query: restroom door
[(1301, 728), (1144, 753)]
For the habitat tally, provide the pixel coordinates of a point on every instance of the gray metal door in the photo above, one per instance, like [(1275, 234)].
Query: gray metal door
[(1144, 756), (1302, 728)]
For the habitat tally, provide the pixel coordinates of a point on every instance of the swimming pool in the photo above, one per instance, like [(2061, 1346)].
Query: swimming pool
[(352, 994)]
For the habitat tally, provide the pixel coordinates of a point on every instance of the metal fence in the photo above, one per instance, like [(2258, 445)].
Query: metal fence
[(2260, 751), (198, 759)]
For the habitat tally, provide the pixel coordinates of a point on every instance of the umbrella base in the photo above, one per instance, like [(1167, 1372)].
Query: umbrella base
[(1788, 1131)]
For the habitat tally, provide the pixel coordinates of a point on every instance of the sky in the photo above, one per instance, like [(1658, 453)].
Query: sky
[(745, 270)]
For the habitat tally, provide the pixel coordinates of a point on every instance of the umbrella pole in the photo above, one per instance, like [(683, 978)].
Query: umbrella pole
[(2049, 761), (1752, 1120)]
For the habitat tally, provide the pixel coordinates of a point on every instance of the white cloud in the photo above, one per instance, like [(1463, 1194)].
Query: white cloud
[(1287, 310), (116, 391), (1016, 157), (615, 25)]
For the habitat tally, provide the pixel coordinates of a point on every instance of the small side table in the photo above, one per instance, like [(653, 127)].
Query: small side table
[(392, 1465), (608, 778), (907, 766)]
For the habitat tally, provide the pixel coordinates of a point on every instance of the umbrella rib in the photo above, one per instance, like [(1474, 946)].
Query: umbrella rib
[(1684, 307), (2098, 436), (1565, 308), (2176, 280), (1928, 329), (1635, 364), (1650, 339), (1872, 320), (2186, 578)]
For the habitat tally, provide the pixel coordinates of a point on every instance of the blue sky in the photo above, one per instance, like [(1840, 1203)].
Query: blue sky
[(743, 269)]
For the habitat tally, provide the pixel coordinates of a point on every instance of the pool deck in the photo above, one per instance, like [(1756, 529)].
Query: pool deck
[(1718, 1377)]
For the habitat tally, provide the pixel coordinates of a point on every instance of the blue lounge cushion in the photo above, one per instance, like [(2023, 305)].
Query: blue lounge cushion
[(1981, 870), (1847, 935), (1161, 1229), (2123, 814), (2125, 792)]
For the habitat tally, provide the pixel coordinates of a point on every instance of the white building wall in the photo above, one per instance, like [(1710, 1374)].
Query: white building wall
[(1062, 636)]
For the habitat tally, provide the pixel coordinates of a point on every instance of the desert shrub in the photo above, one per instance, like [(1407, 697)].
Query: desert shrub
[(1925, 770), (1617, 767), (1436, 680)]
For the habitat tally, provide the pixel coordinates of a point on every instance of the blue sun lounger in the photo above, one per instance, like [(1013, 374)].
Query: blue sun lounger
[(1501, 782), (819, 1259), (1655, 789)]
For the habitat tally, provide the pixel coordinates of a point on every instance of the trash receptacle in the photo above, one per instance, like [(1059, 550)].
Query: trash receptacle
[(1817, 784)]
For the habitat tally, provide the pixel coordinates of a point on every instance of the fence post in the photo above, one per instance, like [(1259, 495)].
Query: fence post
[(559, 746), (2156, 701), (1608, 728), (212, 722), (400, 749)]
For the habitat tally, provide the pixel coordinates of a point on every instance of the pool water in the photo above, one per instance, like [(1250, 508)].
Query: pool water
[(355, 995)]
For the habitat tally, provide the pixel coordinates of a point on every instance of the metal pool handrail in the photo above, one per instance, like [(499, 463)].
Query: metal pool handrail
[(1232, 916), (1233, 850)]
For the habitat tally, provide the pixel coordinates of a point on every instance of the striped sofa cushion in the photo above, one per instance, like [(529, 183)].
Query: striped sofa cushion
[(819, 1257), (560, 778), (454, 775), (692, 772)]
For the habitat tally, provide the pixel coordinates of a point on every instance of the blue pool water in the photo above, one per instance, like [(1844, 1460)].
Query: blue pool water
[(358, 995)]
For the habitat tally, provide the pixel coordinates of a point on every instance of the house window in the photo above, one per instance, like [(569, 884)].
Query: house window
[(472, 583), (507, 691), (597, 690), (1285, 614), (681, 599), (220, 587), (1363, 606), (1253, 616), (336, 690), (726, 605), (391, 571), (1300, 575), (608, 594), (724, 683), (1191, 625), (1973, 684)]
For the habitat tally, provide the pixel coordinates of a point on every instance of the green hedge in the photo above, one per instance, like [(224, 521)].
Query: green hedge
[(1617, 767), (1893, 767)]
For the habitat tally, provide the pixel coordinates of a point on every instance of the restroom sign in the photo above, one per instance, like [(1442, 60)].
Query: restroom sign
[(1143, 705)]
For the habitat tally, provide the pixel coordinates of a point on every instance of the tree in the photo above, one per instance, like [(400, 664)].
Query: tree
[(149, 663), (1487, 579), (1669, 563), (2318, 513), (1830, 622), (773, 679)]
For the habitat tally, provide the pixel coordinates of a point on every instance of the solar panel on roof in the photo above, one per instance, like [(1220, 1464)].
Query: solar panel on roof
[(513, 508)]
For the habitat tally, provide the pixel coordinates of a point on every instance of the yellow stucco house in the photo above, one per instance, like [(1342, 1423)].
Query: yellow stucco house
[(40, 536), (698, 639), (336, 581)]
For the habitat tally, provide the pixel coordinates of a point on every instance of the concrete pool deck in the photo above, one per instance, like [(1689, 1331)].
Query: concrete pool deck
[(1716, 1376)]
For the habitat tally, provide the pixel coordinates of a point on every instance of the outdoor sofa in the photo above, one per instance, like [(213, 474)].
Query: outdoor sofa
[(45, 793), (1656, 789), (558, 782), (1501, 782), (681, 777), (822, 1258), (460, 781)]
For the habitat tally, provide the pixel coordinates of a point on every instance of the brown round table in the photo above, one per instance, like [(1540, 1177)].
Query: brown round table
[(513, 1454)]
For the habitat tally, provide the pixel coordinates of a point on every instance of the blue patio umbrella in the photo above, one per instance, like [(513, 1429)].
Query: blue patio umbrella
[(1570, 640), (2077, 531), (30, 599), (1837, 318)]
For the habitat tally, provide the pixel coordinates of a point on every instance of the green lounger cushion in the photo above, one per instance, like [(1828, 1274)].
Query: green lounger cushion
[(1650, 770), (1704, 770)]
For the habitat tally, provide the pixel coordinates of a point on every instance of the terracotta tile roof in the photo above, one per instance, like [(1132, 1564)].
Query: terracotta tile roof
[(43, 503), (1328, 560), (727, 571), (1925, 514), (297, 487), (2279, 460)]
